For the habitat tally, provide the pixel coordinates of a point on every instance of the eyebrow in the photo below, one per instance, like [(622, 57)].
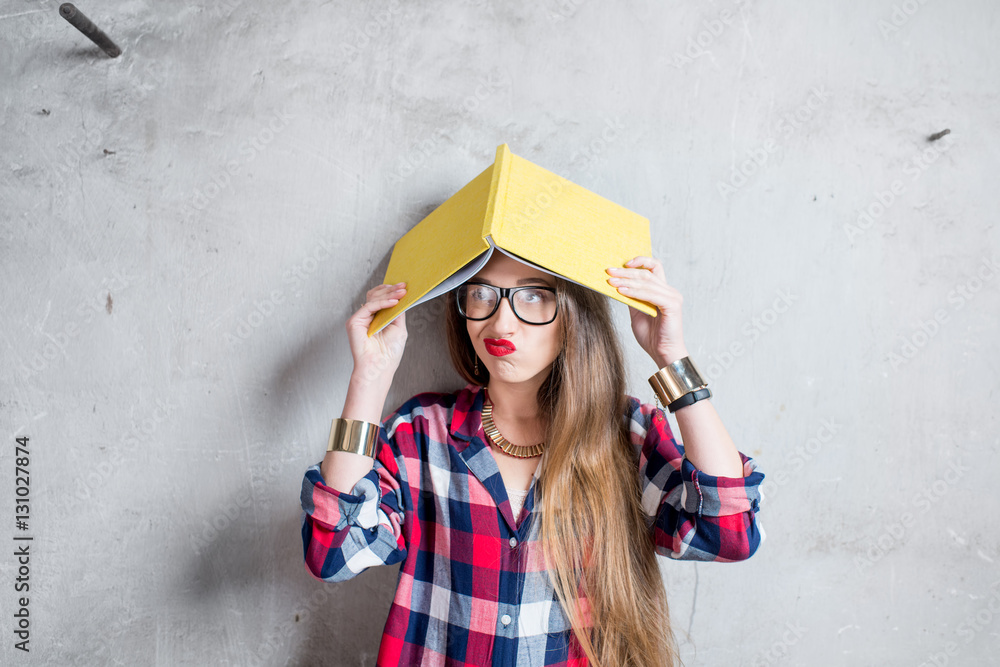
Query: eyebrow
[(521, 281), (531, 281)]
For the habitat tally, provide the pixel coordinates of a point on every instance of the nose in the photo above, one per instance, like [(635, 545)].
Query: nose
[(504, 318)]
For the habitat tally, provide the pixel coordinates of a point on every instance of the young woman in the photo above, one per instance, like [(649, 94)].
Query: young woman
[(527, 508)]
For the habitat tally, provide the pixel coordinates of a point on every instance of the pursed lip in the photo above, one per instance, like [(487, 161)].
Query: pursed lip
[(498, 347)]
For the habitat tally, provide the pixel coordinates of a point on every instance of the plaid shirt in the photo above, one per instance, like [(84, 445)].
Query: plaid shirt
[(473, 589)]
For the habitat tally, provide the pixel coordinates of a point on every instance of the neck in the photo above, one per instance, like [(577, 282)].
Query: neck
[(515, 402)]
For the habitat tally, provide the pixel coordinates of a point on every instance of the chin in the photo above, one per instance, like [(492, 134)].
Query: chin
[(512, 374)]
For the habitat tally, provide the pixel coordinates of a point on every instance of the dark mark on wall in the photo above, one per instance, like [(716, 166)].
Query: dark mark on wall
[(938, 135), (109, 304)]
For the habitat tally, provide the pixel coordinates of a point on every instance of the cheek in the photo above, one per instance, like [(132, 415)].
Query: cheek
[(552, 345), (473, 329)]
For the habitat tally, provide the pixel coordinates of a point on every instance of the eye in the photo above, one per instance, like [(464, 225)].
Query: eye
[(535, 296), (480, 293)]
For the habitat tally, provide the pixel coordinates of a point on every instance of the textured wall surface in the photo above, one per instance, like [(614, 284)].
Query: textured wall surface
[(186, 228)]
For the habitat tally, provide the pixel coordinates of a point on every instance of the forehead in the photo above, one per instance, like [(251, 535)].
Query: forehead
[(505, 271)]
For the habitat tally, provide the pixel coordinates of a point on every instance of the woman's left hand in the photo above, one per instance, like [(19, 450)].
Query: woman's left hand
[(661, 337)]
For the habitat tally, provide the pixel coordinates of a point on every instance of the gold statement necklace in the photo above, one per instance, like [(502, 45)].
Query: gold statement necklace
[(506, 446)]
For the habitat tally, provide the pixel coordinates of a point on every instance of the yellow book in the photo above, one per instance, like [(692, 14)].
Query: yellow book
[(527, 212)]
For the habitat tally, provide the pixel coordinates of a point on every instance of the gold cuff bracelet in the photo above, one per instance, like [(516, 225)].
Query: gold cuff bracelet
[(675, 380), (353, 435)]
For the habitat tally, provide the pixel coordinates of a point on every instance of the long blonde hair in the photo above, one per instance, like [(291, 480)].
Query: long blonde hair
[(596, 536)]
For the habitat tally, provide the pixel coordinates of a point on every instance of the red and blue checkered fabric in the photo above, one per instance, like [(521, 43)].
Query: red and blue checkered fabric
[(472, 588)]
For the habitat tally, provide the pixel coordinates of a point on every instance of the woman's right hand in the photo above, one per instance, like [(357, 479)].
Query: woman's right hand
[(378, 356)]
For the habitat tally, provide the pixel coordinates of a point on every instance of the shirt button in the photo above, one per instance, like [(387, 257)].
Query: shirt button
[(505, 619), (513, 542)]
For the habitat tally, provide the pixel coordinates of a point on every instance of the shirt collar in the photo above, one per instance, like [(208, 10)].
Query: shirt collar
[(466, 424), (467, 417)]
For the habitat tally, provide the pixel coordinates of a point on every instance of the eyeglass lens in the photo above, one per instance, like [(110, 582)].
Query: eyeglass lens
[(535, 306)]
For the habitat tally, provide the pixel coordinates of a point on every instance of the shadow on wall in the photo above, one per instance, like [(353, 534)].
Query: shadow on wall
[(323, 625), (425, 365), (84, 54), (335, 623)]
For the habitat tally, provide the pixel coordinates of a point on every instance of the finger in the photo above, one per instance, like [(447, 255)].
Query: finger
[(657, 294), (388, 292), (636, 279), (369, 308), (380, 304), (642, 260), (634, 274), (652, 296), (378, 290), (648, 263)]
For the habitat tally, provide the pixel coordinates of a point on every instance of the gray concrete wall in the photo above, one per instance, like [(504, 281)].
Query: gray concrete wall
[(186, 228)]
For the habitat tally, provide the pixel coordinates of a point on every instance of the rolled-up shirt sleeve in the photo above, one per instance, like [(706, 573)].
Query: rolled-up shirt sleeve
[(344, 534), (695, 516)]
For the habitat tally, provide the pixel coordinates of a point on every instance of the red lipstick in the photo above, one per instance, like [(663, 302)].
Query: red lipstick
[(498, 347)]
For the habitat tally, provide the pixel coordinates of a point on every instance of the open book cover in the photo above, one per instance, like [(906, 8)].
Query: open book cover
[(527, 212)]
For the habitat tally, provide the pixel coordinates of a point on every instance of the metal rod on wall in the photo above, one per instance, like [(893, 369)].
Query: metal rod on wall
[(76, 18)]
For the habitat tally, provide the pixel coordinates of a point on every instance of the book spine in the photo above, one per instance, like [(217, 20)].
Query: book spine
[(492, 225)]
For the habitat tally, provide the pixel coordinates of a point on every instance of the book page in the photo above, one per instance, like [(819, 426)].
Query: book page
[(457, 278), (533, 265)]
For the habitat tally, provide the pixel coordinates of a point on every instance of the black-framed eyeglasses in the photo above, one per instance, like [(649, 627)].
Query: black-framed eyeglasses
[(532, 304)]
